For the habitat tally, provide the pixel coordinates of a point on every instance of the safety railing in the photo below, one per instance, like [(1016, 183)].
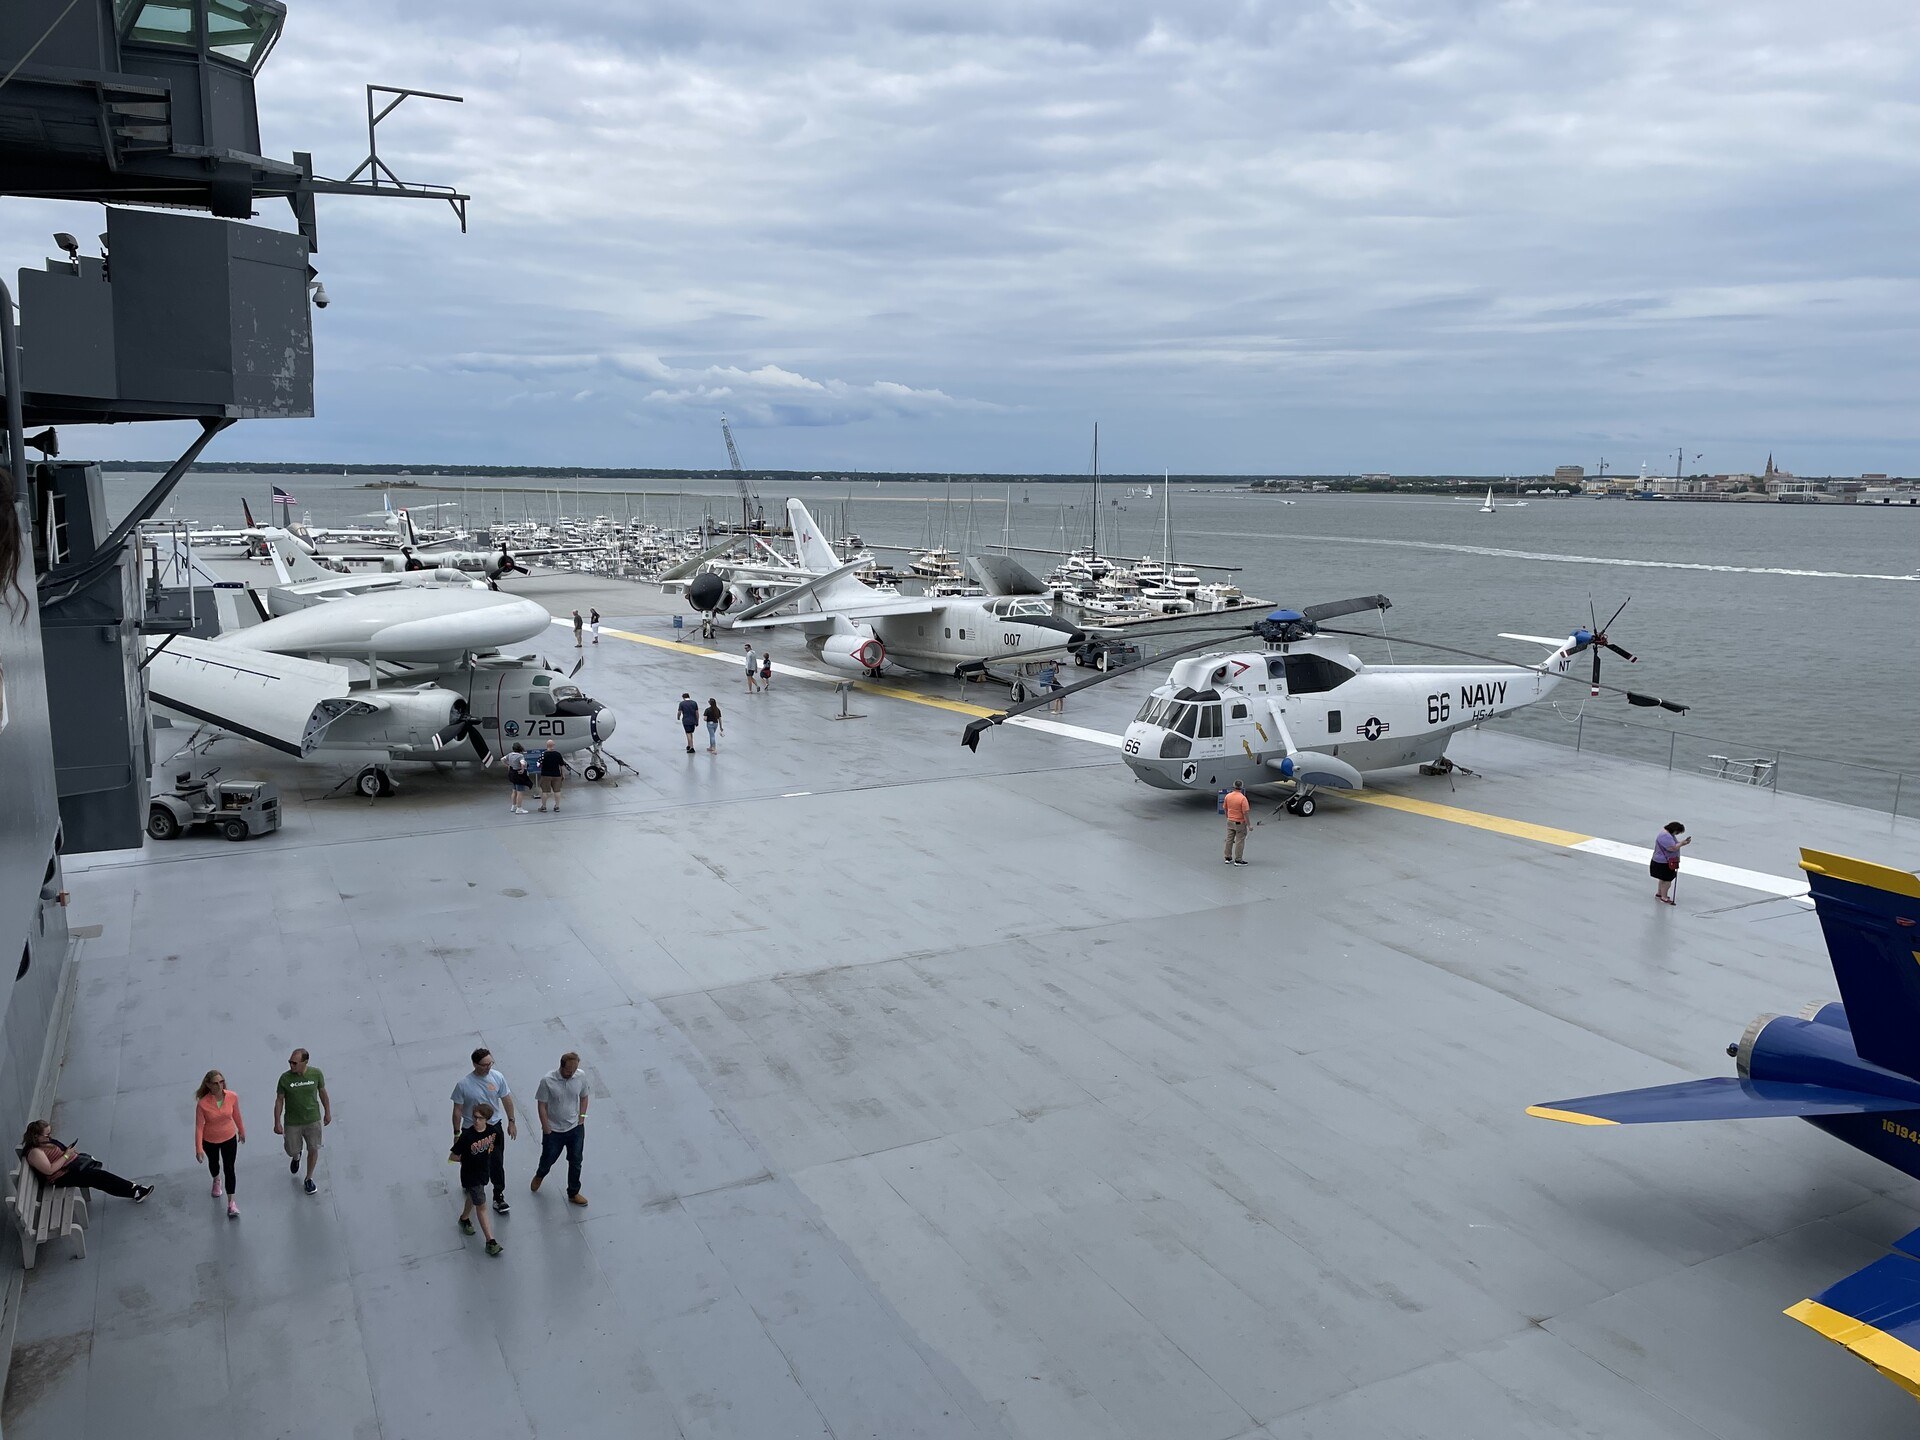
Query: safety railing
[(1872, 787)]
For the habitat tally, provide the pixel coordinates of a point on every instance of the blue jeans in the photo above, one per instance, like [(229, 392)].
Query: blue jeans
[(574, 1142)]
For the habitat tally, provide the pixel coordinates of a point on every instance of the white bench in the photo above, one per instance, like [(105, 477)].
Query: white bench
[(44, 1212)]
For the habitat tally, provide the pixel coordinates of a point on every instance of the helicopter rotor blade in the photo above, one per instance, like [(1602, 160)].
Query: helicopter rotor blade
[(970, 737), (1482, 656), (1602, 630), (1596, 669)]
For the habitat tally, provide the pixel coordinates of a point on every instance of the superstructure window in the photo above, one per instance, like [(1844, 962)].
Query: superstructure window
[(242, 32), (163, 22)]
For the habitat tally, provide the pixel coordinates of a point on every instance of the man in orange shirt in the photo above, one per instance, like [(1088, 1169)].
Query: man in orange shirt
[(1238, 807)]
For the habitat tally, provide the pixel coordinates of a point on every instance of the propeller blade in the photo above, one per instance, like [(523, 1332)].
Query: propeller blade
[(1634, 697), (478, 739), (576, 667)]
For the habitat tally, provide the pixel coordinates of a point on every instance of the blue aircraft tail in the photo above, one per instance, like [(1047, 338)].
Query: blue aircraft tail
[(1870, 915)]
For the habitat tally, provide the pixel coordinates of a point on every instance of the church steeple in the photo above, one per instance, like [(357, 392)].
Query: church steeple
[(1770, 469)]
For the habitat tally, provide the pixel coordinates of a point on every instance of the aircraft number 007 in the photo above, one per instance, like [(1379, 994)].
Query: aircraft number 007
[(546, 727), (1439, 707)]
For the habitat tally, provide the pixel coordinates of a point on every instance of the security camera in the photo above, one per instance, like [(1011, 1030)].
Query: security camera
[(319, 293), (72, 246)]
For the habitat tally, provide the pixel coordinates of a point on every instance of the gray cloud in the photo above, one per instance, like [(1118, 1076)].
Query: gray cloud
[(1389, 235)]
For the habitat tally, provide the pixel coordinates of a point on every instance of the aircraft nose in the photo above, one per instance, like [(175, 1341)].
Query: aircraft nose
[(602, 723)]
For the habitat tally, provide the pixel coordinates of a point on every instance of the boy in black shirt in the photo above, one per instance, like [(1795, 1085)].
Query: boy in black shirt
[(474, 1148)]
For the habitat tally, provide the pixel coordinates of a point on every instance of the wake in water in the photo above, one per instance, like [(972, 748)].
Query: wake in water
[(1580, 559)]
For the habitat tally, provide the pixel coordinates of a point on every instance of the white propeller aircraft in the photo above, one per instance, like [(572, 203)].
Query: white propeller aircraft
[(852, 627), (1305, 710), (406, 673)]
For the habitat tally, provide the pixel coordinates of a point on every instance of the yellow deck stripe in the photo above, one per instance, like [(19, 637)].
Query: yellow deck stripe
[(1895, 1359), (1499, 824), (1571, 1117), (656, 642)]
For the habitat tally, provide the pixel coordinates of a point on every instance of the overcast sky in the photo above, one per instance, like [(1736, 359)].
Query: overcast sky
[(1408, 236)]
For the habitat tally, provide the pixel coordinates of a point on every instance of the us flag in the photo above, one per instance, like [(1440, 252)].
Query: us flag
[(281, 497)]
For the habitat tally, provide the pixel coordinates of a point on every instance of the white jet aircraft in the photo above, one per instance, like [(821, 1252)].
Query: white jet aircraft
[(853, 627)]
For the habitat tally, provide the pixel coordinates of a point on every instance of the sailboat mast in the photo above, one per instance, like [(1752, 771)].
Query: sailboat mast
[(1096, 489)]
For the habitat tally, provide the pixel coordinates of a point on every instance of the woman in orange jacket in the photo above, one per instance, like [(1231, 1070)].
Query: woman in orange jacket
[(218, 1133)]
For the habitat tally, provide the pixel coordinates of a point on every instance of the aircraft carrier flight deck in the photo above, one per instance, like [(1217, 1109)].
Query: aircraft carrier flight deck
[(946, 1094)]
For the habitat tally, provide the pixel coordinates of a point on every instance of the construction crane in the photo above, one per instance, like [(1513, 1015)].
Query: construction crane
[(752, 516)]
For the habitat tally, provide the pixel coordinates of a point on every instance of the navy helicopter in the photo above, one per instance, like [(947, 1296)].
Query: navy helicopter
[(1304, 710), (1850, 1067)]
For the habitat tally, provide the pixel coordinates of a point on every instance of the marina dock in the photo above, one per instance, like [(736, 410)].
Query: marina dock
[(940, 1094)]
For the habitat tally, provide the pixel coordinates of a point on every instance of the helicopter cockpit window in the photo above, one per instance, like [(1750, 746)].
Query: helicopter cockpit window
[(1314, 674), (1186, 721), (1209, 722)]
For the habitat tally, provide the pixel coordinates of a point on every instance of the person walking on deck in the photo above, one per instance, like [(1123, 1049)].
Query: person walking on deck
[(484, 1085), (577, 624), (716, 726), (218, 1133), (753, 669), (477, 1147), (562, 1102), (689, 717), (301, 1110)]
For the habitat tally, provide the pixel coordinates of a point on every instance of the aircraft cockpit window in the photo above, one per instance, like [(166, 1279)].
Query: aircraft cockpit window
[(540, 702), (1209, 722), (1314, 674), (1185, 722), (567, 692)]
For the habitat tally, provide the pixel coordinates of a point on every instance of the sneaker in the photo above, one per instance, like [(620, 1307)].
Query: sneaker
[(494, 1247), (140, 1193), (576, 1198), (233, 1210), (218, 1189), (1227, 860), (500, 1205), (1239, 862), (312, 1189), (293, 1166), (466, 1227), (535, 1187)]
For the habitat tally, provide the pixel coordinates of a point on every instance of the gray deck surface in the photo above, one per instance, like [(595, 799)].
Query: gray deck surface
[(956, 1096)]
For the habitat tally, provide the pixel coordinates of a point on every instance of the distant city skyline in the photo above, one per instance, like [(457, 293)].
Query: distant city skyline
[(1325, 239)]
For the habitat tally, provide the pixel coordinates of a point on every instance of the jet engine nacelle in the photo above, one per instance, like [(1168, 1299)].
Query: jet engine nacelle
[(853, 654)]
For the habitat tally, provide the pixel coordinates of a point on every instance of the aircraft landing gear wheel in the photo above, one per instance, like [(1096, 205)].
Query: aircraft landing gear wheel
[(370, 782), (1304, 806), (595, 772), (161, 825), (234, 829)]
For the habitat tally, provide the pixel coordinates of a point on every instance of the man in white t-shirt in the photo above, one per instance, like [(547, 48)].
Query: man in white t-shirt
[(562, 1098), (484, 1084)]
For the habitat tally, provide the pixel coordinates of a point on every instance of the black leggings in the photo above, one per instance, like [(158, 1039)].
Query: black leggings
[(96, 1177), (222, 1153)]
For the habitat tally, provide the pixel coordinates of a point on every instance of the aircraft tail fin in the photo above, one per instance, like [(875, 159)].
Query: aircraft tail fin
[(247, 510), (291, 562), (1875, 1313), (817, 556), (1870, 915), (407, 537)]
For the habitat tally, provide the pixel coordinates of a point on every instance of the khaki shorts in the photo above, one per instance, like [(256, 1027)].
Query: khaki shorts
[(298, 1135)]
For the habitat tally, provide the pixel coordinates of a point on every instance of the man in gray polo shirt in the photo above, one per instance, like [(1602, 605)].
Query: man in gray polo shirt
[(562, 1098)]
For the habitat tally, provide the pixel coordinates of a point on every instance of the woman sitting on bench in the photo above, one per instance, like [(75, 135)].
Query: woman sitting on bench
[(59, 1164)]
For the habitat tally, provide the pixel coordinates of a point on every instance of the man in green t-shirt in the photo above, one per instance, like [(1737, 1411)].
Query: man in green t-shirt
[(300, 1108)]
